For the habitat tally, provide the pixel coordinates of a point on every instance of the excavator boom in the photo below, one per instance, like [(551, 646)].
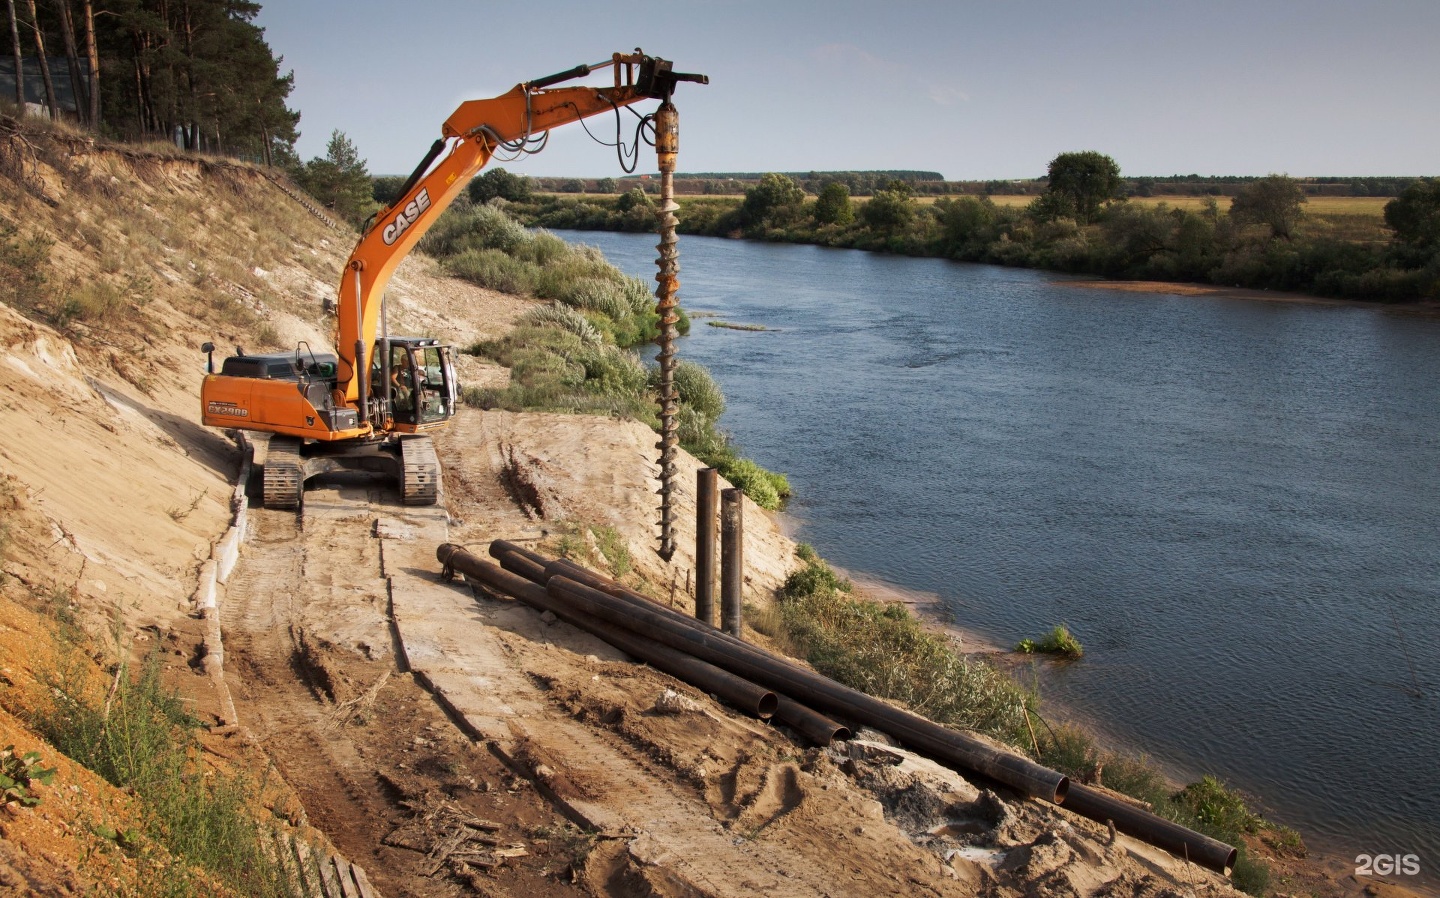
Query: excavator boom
[(470, 136)]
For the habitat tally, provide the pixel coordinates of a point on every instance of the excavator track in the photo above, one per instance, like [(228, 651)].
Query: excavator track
[(284, 473), (420, 483)]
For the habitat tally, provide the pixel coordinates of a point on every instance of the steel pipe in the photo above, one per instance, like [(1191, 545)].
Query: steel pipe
[(732, 559), (1174, 838), (821, 693), (707, 491), (503, 545), (632, 611), (810, 723), (1148, 827), (754, 700)]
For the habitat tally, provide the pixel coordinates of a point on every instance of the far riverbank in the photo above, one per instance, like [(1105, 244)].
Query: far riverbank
[(1426, 308), (1339, 255)]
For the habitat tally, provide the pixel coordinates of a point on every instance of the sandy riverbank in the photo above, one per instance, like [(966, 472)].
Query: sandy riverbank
[(1178, 288)]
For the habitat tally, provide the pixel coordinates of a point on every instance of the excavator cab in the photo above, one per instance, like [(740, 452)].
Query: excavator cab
[(419, 390)]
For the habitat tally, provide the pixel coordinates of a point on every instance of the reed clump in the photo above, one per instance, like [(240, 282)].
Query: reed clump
[(1059, 641)]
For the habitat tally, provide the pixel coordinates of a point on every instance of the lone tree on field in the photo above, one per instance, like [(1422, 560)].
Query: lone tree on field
[(774, 202), (1081, 182), (891, 210), (497, 182), (1274, 201)]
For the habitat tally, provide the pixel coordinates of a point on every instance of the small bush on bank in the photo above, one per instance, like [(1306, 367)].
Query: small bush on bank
[(139, 737), (24, 266), (698, 389), (1058, 641)]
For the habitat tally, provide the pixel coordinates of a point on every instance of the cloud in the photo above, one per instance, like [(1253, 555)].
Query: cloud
[(891, 75), (946, 96)]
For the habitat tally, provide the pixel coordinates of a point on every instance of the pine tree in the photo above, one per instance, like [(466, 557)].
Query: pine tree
[(340, 180)]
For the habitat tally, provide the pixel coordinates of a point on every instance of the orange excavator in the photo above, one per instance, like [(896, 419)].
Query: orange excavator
[(372, 404)]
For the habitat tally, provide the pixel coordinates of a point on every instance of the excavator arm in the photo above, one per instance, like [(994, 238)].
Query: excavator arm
[(472, 134)]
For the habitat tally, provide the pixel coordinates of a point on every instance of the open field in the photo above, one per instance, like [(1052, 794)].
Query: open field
[(1317, 205)]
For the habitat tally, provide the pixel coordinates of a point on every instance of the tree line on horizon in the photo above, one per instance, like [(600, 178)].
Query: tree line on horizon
[(1080, 223), (865, 183)]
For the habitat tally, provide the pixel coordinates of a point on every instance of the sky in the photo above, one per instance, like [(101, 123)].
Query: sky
[(973, 90)]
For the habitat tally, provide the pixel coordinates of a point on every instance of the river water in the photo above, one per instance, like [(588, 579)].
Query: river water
[(1233, 504)]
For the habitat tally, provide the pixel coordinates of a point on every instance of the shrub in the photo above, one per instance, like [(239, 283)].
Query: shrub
[(1072, 752), (882, 649), (564, 318), (815, 577), (1058, 641), (89, 302), (698, 390), (638, 296), (765, 488), (597, 295), (1221, 811), (613, 371), (561, 276), (24, 263), (140, 738), (476, 227), (494, 269)]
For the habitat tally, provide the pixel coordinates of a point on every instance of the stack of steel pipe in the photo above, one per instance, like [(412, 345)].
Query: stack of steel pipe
[(587, 598), (523, 577)]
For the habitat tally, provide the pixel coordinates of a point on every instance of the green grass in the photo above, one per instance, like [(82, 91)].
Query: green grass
[(613, 546), (1058, 641), (18, 772), (24, 267), (885, 651), (139, 737)]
